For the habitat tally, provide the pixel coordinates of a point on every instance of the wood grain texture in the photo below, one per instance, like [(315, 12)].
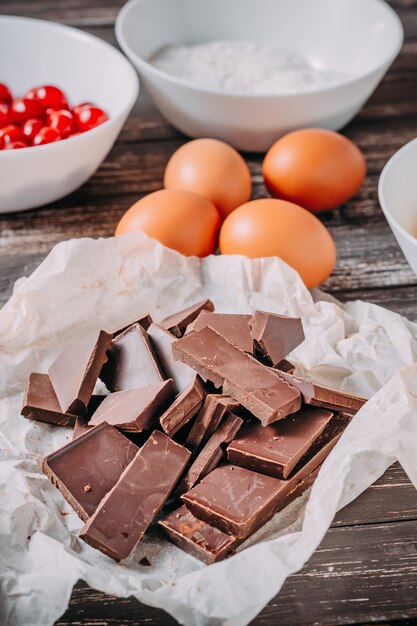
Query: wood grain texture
[(366, 568)]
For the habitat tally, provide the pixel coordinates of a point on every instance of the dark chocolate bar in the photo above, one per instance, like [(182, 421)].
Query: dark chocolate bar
[(238, 501), (131, 361), (205, 542), (125, 513), (184, 407), (41, 404), (326, 397), (208, 543), (215, 407), (177, 323), (212, 453), (245, 379), (233, 326), (135, 410), (162, 341), (75, 371), (274, 336), (276, 449), (88, 467)]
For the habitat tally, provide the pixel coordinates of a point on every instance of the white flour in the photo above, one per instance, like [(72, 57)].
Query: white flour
[(239, 66)]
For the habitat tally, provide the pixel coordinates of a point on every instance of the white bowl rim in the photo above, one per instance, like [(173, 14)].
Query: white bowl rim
[(86, 36), (381, 188), (144, 64)]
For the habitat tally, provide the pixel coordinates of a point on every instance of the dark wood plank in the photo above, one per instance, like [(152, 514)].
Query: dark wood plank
[(392, 498)]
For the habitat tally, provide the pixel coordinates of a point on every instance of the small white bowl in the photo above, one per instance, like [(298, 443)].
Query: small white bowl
[(358, 37), (35, 52), (397, 191)]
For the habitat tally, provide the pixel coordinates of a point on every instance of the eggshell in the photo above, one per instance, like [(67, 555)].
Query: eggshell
[(212, 168), (269, 227), (182, 220), (318, 169)]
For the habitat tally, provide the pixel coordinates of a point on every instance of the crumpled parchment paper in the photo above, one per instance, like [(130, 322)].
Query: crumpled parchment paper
[(85, 284)]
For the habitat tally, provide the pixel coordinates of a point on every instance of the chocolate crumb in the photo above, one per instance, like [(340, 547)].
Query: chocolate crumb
[(145, 562)]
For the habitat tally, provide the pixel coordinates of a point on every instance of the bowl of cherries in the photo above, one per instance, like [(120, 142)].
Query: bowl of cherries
[(64, 97)]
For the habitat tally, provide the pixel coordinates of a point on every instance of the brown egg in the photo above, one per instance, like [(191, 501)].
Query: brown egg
[(269, 227), (181, 220), (212, 168), (315, 168)]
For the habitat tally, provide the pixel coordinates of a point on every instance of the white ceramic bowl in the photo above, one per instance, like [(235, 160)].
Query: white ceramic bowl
[(357, 37), (35, 52), (397, 192)]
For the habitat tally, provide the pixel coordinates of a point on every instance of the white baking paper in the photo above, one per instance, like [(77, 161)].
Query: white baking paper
[(85, 284)]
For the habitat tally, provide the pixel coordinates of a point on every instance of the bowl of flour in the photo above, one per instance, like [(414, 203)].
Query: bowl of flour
[(248, 71)]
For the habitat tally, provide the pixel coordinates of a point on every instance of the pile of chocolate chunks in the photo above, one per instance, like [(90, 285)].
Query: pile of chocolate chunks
[(205, 434)]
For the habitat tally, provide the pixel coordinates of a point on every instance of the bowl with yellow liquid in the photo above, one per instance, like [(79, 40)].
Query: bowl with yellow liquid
[(397, 192)]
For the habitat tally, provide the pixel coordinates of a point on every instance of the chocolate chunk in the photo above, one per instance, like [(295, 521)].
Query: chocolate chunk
[(285, 366), (125, 513), (135, 410), (238, 500), (97, 459), (245, 379), (82, 425), (132, 362), (205, 542), (41, 404), (177, 323), (162, 341), (325, 397), (233, 326), (212, 453), (184, 407), (274, 336), (215, 407), (74, 373), (144, 321), (276, 449)]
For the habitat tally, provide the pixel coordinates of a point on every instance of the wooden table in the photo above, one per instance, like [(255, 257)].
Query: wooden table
[(366, 568)]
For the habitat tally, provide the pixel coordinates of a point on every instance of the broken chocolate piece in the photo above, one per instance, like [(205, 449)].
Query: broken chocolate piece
[(41, 404), (276, 449), (274, 336), (97, 458), (125, 513), (205, 542), (285, 366), (238, 501), (215, 407), (233, 326), (75, 371), (177, 323), (325, 397), (212, 453), (82, 425), (135, 410), (184, 407), (162, 341), (132, 362), (243, 377), (144, 321)]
